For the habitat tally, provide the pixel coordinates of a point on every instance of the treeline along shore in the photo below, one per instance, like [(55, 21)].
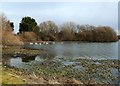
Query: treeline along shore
[(69, 31), (30, 31)]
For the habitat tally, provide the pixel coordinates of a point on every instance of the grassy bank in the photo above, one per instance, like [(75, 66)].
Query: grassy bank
[(10, 78), (16, 76)]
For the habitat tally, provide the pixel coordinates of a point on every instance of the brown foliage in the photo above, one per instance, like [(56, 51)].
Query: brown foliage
[(106, 34), (67, 33), (5, 24), (48, 27), (46, 31), (28, 36), (8, 38), (98, 34)]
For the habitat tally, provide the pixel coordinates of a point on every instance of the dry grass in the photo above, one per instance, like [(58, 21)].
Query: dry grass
[(10, 39)]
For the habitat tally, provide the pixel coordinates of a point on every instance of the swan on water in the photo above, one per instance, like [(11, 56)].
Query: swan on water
[(35, 43), (46, 42), (53, 42), (31, 43), (61, 42)]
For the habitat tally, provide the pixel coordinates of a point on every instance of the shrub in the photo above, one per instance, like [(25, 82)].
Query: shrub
[(8, 38), (98, 34), (67, 31), (47, 31), (28, 36)]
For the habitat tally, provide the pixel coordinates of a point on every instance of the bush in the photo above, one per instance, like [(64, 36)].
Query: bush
[(28, 36), (67, 32), (47, 31), (8, 38), (98, 34), (106, 34)]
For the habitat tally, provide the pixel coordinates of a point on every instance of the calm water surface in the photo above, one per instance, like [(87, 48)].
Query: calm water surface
[(77, 49)]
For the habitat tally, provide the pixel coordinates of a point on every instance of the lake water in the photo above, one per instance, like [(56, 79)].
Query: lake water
[(77, 49), (74, 50)]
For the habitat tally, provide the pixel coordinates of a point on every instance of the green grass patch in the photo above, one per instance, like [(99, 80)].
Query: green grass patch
[(9, 78)]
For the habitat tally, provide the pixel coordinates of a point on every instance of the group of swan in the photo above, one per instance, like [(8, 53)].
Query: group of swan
[(40, 43), (43, 43)]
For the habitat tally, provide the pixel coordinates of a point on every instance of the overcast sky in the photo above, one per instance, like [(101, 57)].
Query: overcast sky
[(93, 13)]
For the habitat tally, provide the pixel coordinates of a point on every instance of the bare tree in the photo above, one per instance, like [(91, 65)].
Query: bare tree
[(5, 23), (48, 30), (8, 38), (67, 31)]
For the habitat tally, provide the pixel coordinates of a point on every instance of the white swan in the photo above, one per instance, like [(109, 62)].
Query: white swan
[(31, 43), (61, 42), (46, 42), (35, 43), (43, 42), (53, 42)]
